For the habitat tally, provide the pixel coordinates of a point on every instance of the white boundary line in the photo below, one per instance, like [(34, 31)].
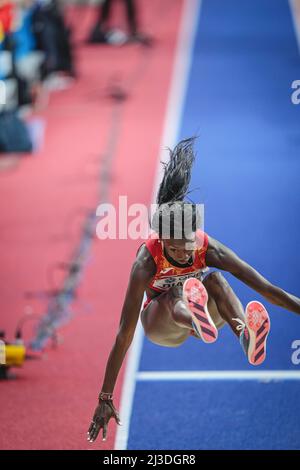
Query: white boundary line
[(295, 12), (261, 375), (180, 75)]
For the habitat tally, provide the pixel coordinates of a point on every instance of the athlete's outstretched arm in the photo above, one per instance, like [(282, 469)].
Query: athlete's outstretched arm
[(221, 257), (142, 272)]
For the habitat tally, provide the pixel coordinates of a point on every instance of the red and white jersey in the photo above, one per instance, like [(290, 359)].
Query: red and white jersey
[(169, 275)]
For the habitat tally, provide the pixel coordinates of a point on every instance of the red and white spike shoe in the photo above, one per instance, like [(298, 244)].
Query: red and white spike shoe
[(255, 332), (196, 297)]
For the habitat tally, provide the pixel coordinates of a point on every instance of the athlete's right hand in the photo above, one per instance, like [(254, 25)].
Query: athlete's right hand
[(103, 413)]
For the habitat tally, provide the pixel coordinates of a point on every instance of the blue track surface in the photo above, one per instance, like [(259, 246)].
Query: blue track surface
[(238, 101)]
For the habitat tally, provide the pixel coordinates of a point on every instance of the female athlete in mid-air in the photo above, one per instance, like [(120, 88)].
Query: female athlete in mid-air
[(182, 298)]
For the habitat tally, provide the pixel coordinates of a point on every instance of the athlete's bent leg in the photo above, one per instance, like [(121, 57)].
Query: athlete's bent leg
[(252, 327), (228, 304), (167, 320)]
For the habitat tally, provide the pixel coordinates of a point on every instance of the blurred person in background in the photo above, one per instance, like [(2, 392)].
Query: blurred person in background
[(6, 16), (19, 58), (6, 19), (35, 34), (53, 37), (101, 33), (35, 53), (27, 59), (14, 135)]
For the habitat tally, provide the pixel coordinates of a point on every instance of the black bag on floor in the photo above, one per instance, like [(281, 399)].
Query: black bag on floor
[(14, 136)]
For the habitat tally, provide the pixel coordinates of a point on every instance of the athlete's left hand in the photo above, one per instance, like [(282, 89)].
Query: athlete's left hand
[(103, 413)]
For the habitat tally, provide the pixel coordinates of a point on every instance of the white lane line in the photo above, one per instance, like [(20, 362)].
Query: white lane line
[(261, 375), (180, 75), (129, 388)]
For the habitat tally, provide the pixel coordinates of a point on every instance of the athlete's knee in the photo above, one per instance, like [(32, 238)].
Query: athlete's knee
[(214, 278), (165, 341), (215, 282)]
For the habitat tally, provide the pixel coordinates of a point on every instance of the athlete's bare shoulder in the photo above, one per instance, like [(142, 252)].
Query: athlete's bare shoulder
[(144, 265)]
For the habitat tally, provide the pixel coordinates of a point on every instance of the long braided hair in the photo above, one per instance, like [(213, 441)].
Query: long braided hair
[(175, 217)]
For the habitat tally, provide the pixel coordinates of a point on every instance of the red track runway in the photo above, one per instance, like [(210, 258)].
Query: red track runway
[(50, 404)]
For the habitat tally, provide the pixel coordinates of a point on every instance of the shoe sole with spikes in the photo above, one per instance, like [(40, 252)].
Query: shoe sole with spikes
[(196, 297), (258, 325)]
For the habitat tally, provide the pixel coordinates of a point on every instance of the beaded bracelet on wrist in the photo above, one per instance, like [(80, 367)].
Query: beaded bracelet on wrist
[(103, 396)]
